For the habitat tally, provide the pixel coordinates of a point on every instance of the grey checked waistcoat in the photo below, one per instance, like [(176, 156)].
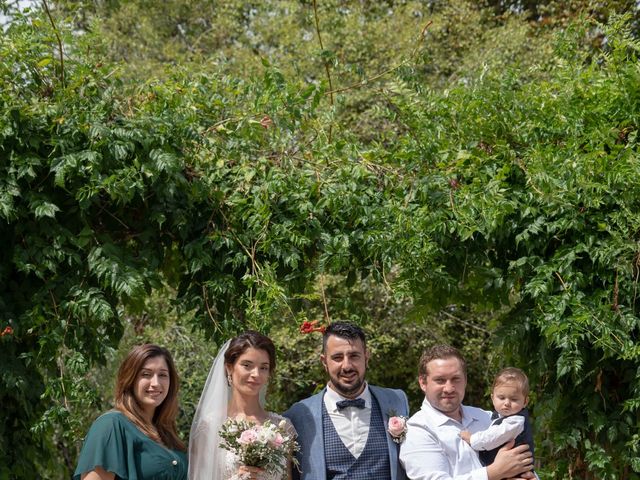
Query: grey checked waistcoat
[(372, 464)]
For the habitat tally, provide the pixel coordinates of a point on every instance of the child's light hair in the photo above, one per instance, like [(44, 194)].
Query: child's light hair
[(512, 374)]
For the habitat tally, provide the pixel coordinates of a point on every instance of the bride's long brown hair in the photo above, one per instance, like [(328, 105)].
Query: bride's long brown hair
[(163, 426)]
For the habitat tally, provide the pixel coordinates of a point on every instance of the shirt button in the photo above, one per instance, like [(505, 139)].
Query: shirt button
[(175, 462)]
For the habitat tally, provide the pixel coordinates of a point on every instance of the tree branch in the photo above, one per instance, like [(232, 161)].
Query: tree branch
[(326, 63), (57, 34)]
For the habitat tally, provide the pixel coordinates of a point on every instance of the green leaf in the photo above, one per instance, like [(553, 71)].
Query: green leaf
[(44, 209)]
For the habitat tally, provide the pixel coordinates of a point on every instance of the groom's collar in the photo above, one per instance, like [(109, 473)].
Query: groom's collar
[(331, 398)]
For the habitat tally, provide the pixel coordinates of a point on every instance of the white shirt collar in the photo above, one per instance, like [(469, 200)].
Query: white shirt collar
[(331, 398), (439, 418)]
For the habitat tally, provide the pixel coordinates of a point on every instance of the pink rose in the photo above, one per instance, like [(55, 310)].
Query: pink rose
[(278, 441), (248, 436), (397, 426)]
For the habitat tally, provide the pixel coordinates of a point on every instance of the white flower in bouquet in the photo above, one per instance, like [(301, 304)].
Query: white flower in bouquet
[(267, 434)]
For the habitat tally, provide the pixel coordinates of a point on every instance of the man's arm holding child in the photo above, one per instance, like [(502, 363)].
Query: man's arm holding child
[(511, 462)]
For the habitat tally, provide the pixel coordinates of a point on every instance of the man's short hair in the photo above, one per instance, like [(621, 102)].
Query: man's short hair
[(440, 352), (512, 374), (345, 330)]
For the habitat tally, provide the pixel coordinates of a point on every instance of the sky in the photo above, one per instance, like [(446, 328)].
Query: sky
[(15, 4)]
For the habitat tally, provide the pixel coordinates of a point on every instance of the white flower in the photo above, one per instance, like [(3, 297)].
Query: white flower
[(266, 434), (233, 428)]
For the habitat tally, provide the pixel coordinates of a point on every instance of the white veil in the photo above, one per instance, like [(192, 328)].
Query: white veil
[(206, 458)]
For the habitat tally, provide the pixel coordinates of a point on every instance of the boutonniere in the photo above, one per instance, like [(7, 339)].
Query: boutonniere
[(397, 427)]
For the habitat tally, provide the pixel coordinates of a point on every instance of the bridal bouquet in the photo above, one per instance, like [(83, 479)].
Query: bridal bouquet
[(267, 446)]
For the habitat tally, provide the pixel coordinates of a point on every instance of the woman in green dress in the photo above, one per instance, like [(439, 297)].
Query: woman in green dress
[(138, 440)]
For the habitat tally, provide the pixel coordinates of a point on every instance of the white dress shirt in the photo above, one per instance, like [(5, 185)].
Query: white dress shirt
[(497, 435), (351, 423), (433, 449)]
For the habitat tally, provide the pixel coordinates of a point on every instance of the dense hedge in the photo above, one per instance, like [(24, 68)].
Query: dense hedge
[(503, 208), (527, 186)]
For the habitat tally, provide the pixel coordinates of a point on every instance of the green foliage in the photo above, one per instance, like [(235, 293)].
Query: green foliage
[(469, 195), (397, 334), (109, 189), (531, 198)]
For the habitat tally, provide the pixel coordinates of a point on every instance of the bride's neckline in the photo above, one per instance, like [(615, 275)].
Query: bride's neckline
[(252, 418)]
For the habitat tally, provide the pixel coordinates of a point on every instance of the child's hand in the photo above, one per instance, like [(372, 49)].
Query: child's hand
[(466, 436)]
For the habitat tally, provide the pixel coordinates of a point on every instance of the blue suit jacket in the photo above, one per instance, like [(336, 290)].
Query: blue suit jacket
[(306, 417)]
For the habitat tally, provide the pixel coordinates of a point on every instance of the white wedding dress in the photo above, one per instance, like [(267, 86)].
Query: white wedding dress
[(207, 461), (232, 464)]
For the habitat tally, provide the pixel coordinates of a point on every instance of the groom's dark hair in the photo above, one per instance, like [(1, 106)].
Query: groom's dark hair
[(345, 330)]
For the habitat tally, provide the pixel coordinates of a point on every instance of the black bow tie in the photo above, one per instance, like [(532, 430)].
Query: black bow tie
[(358, 403)]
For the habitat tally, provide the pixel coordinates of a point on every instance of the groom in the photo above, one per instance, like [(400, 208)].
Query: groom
[(342, 431)]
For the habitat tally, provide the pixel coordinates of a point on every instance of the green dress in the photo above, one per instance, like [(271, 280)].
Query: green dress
[(116, 445)]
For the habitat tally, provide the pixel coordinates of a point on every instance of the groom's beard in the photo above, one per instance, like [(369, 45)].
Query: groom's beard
[(347, 389)]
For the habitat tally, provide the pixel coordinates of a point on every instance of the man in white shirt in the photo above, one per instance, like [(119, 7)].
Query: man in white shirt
[(433, 449), (342, 431)]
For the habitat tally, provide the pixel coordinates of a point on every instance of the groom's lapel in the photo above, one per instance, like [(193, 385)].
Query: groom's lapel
[(316, 458), (385, 401)]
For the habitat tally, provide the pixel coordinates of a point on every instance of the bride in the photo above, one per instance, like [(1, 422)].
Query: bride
[(235, 386)]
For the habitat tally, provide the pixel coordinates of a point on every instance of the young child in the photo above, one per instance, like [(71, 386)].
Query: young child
[(510, 396)]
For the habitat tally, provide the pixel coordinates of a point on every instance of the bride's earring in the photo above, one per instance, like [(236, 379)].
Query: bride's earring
[(229, 380)]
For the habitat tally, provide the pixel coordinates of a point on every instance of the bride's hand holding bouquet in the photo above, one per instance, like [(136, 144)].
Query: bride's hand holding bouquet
[(267, 446)]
